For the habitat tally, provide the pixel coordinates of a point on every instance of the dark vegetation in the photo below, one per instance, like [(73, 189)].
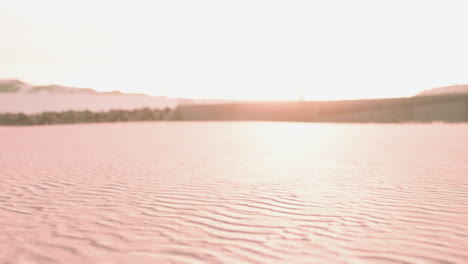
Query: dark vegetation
[(72, 117), (447, 108)]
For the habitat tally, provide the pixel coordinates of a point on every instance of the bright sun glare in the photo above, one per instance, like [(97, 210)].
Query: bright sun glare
[(237, 49)]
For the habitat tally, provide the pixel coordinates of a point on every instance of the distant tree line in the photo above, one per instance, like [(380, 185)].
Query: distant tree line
[(72, 117)]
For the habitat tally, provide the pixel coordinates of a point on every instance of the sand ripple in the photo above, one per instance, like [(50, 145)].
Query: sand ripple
[(234, 193)]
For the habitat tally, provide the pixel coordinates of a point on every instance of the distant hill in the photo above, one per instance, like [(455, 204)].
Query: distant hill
[(20, 97), (17, 86), (454, 89), (13, 86)]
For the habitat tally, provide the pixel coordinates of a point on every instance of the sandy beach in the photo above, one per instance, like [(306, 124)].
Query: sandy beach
[(238, 192)]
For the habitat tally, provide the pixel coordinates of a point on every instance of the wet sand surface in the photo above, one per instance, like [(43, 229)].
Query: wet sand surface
[(234, 192)]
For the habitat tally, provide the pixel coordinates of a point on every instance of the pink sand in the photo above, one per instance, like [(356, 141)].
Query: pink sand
[(234, 193)]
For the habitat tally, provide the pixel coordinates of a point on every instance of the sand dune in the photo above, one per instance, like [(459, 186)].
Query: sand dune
[(234, 193)]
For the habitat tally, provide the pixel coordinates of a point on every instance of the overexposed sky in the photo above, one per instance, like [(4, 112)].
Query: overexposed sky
[(237, 49)]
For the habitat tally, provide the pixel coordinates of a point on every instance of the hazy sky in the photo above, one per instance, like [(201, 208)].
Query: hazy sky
[(237, 49)]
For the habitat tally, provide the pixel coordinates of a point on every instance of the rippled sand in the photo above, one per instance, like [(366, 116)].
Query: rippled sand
[(234, 193)]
